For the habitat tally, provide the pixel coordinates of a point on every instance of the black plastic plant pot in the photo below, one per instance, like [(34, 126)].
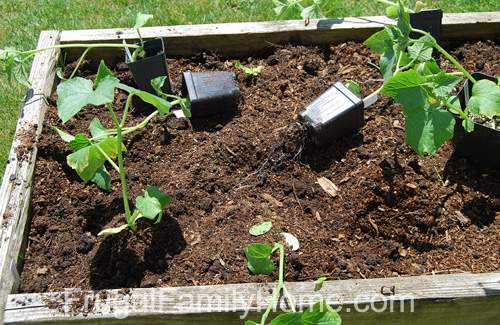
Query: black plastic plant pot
[(334, 114), (429, 21), (211, 93), (153, 65), (481, 145)]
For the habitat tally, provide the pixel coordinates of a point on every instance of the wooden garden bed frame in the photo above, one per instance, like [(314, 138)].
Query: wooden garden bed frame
[(464, 297)]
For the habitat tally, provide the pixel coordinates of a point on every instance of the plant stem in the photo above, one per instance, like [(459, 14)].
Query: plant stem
[(279, 287), (80, 60), (108, 158), (447, 55), (79, 45), (123, 176)]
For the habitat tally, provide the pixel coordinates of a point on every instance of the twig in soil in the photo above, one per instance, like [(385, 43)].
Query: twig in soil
[(296, 197), (439, 176), (229, 150), (275, 45), (373, 65)]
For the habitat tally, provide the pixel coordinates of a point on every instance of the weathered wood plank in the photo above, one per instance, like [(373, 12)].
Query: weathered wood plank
[(239, 39), (223, 304), (15, 192)]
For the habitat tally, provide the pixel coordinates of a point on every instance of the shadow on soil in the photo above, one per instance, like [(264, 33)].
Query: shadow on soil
[(322, 158), (465, 174), (118, 265)]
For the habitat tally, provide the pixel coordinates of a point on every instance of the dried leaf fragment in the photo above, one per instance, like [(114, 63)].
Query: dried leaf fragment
[(328, 186)]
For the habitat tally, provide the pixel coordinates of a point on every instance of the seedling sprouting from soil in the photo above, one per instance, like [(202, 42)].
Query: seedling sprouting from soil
[(106, 145), (15, 63), (250, 72), (414, 80), (259, 261)]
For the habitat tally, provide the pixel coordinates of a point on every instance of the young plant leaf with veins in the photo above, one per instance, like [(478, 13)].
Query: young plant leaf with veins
[(105, 145), (414, 80)]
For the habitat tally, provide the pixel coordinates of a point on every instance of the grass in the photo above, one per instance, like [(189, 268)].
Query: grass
[(22, 21)]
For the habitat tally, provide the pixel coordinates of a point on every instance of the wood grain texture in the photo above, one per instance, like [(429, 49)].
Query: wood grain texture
[(222, 304), (15, 192), (240, 39)]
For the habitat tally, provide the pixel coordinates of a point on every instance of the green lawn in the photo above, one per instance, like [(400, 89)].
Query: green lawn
[(22, 20)]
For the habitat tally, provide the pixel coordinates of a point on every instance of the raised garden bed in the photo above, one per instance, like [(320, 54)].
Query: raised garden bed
[(394, 215)]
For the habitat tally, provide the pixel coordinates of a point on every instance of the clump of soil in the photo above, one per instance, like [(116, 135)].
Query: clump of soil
[(395, 213)]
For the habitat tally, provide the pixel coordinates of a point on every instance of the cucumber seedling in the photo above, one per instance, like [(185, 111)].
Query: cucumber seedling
[(106, 145), (259, 261), (414, 80), (250, 72)]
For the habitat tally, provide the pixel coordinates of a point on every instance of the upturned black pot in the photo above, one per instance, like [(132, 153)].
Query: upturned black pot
[(154, 64), (429, 21), (211, 93), (483, 144)]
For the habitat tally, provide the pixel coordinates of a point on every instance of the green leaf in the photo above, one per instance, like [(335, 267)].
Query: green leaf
[(112, 231), (428, 68), (354, 87), (87, 161), (427, 128), (80, 141), (186, 107), (161, 104), (152, 203), (485, 98), (102, 73), (157, 84), (261, 228), (287, 8), (379, 42), (404, 24), (250, 322), (97, 130), (102, 179), (76, 93), (313, 11), (14, 65), (141, 20), (321, 314), (454, 105), (288, 319), (421, 50), (443, 83), (66, 137), (408, 89), (392, 12), (259, 258), (318, 284), (20, 72), (468, 125)]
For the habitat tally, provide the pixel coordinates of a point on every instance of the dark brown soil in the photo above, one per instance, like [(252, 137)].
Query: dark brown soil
[(395, 214)]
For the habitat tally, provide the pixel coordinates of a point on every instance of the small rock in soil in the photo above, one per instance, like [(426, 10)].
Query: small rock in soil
[(312, 67)]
